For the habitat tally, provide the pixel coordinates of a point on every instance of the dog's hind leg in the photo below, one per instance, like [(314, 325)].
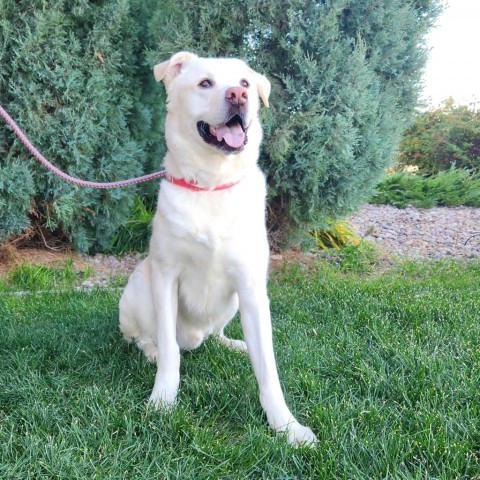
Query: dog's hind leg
[(133, 333), (128, 323), (137, 316)]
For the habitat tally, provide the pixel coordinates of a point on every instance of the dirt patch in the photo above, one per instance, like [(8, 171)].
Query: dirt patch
[(105, 267), (10, 257)]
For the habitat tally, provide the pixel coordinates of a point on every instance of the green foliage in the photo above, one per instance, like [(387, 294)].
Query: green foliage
[(360, 258), (134, 234), (334, 235), (77, 76), (28, 277), (450, 188), (16, 190), (442, 137), (72, 76)]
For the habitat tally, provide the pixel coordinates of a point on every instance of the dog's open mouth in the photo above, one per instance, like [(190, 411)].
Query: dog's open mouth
[(230, 136)]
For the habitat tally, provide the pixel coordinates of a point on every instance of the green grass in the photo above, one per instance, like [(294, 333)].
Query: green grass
[(134, 235), (384, 368), (37, 277)]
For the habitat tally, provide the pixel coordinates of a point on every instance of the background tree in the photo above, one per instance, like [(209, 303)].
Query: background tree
[(440, 138), (345, 77)]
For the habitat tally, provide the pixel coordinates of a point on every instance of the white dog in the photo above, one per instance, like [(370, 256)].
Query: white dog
[(209, 251)]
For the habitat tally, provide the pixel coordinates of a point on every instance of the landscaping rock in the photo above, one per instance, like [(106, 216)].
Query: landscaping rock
[(420, 233)]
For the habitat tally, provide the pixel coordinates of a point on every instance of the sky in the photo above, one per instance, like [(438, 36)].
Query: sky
[(453, 68)]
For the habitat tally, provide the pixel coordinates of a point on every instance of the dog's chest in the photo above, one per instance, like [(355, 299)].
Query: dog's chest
[(205, 223), (202, 232)]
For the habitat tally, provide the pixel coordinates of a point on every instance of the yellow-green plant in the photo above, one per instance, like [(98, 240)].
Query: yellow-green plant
[(336, 234)]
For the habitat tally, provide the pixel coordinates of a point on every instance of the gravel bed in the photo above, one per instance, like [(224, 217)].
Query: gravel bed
[(433, 233), (108, 267)]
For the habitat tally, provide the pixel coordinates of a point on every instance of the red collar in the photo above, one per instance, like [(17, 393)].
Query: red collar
[(181, 182)]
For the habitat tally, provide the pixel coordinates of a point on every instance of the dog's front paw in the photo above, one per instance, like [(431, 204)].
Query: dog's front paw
[(164, 393), (160, 402), (300, 436), (296, 434)]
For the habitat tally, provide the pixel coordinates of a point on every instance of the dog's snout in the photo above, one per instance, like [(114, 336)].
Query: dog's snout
[(237, 96)]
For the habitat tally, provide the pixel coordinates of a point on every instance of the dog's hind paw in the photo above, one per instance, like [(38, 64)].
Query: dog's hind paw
[(237, 345), (149, 349)]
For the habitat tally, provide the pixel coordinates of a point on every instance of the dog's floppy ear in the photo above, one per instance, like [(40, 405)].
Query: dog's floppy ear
[(263, 87), (168, 70)]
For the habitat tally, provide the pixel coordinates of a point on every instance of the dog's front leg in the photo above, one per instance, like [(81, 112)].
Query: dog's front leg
[(257, 330), (165, 298)]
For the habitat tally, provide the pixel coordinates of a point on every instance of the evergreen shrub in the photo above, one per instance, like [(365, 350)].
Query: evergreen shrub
[(77, 76), (73, 77), (16, 189), (449, 188)]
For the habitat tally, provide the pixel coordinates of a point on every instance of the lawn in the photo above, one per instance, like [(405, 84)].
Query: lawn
[(384, 367)]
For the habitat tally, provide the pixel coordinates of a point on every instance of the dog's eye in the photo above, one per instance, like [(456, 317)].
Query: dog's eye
[(206, 83), (244, 83)]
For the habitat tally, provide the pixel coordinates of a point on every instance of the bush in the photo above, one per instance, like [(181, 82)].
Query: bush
[(334, 235), (441, 138), (361, 258), (345, 78), (452, 188), (77, 76), (134, 234), (72, 76)]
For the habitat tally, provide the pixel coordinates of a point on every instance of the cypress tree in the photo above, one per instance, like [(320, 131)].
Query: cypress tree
[(77, 75), (72, 77), (345, 77)]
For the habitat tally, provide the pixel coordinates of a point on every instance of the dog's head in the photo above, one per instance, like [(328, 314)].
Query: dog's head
[(213, 101)]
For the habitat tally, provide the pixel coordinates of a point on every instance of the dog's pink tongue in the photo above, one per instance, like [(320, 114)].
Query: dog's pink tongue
[(234, 136)]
